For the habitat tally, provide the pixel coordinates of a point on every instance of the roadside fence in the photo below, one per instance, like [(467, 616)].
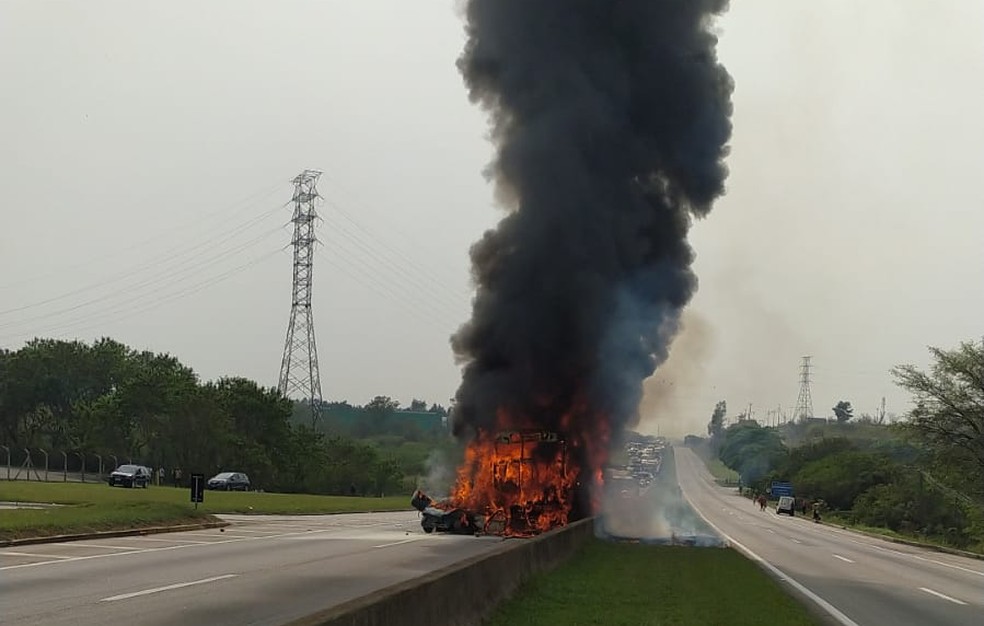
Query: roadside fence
[(39, 464)]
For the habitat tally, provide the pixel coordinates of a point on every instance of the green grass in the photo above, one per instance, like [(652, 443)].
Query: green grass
[(721, 473), (101, 507), (215, 501), (86, 518), (887, 532), (613, 584)]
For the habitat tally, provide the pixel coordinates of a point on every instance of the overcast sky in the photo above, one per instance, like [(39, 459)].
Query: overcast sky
[(146, 151)]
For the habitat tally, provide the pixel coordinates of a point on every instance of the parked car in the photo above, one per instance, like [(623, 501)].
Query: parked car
[(130, 476), (787, 505), (229, 481)]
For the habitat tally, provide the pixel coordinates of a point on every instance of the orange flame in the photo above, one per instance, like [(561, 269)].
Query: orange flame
[(524, 481)]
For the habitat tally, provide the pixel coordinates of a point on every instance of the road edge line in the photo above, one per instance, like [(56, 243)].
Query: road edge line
[(828, 612), (129, 532)]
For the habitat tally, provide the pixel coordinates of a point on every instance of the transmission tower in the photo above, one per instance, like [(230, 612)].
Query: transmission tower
[(299, 373), (804, 403)]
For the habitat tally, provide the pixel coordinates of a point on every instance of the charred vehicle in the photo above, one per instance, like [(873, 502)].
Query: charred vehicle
[(451, 520)]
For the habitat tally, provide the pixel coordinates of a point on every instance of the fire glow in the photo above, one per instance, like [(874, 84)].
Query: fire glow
[(525, 481), (610, 121)]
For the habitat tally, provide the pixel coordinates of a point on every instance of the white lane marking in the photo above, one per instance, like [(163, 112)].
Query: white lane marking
[(32, 554), (820, 530), (943, 595), (920, 558), (826, 606), (842, 558), (74, 544), (852, 537), (395, 543), (146, 550), (147, 592), (157, 540), (249, 530)]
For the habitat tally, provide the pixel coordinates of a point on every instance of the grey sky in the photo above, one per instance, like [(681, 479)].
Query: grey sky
[(145, 153)]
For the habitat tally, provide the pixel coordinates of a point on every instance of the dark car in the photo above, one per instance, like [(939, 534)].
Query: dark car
[(229, 481), (450, 520), (130, 476)]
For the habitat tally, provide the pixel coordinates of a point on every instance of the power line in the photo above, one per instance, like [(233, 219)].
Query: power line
[(383, 285), (248, 201), (165, 278), (403, 261), (150, 305), (206, 247)]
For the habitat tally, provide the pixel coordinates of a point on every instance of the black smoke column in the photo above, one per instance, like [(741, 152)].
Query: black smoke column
[(611, 119)]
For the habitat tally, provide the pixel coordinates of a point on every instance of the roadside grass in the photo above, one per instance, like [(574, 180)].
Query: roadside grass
[(722, 474), (837, 520), (86, 518), (612, 584), (101, 507), (215, 501)]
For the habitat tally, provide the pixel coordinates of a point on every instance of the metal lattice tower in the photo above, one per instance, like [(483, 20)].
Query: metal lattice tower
[(804, 403), (299, 375)]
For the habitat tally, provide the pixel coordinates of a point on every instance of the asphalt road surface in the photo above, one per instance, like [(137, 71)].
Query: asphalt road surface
[(260, 570), (864, 581)]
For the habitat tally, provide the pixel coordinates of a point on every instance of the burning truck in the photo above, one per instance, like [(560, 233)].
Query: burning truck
[(610, 122), (517, 483)]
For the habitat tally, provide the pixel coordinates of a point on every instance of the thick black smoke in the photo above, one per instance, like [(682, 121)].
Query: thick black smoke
[(611, 119)]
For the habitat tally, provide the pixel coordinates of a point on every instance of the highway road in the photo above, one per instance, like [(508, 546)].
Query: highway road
[(260, 570), (863, 581)]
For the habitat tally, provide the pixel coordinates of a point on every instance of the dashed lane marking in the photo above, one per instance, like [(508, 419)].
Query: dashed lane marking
[(72, 559), (147, 592), (943, 595)]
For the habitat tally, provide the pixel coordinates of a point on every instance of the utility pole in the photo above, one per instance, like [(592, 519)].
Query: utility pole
[(804, 402), (299, 374)]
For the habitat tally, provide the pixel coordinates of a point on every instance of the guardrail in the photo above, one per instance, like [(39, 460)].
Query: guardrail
[(464, 593)]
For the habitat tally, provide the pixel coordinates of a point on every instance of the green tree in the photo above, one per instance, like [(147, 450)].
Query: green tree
[(841, 477), (716, 426), (259, 426), (751, 450), (949, 408), (843, 411)]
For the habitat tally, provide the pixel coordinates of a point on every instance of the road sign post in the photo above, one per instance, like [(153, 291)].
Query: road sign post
[(197, 488)]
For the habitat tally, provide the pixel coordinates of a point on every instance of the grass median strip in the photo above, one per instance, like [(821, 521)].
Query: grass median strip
[(93, 507), (614, 584), (90, 517)]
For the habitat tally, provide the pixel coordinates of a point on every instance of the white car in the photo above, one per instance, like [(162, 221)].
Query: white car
[(787, 505)]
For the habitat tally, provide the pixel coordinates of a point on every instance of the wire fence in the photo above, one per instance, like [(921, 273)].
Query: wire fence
[(50, 465)]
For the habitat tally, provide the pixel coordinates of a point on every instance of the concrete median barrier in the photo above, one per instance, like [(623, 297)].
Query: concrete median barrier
[(463, 593)]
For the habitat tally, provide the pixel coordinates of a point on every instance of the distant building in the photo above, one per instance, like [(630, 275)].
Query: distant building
[(353, 421)]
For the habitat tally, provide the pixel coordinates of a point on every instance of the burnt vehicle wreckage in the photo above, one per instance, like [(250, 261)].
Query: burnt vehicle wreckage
[(531, 487)]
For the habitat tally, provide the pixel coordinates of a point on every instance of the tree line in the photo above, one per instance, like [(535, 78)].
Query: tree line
[(921, 476), (109, 399)]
